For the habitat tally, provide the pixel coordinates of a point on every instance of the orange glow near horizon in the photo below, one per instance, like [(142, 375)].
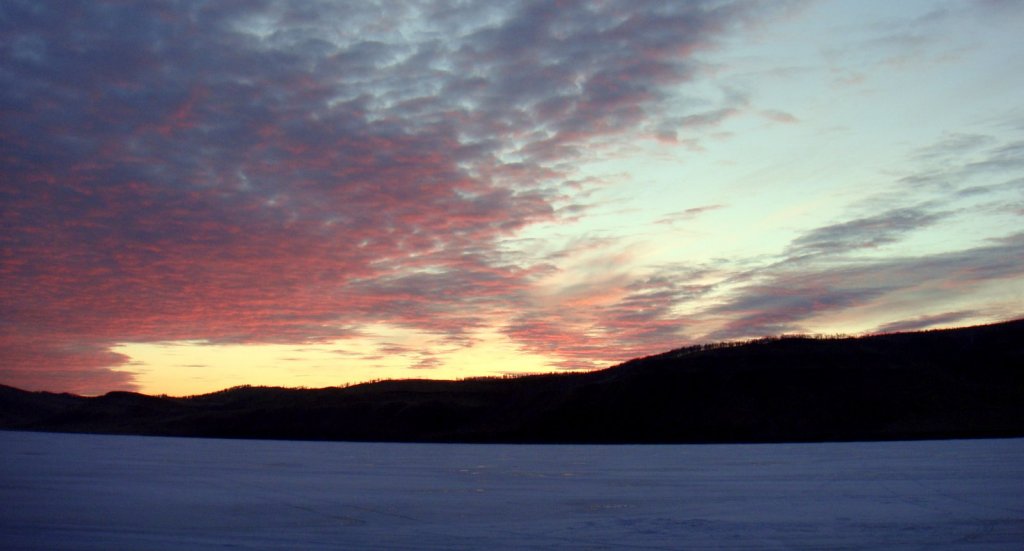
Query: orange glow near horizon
[(189, 368)]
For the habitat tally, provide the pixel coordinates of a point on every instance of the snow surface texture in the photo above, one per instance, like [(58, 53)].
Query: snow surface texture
[(60, 491)]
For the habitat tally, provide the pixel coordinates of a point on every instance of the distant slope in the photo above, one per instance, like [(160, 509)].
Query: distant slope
[(937, 384)]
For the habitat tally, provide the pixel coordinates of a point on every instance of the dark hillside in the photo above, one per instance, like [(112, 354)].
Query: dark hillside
[(938, 384)]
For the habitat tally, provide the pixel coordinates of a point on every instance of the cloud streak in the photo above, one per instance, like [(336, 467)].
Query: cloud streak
[(783, 298), (863, 233)]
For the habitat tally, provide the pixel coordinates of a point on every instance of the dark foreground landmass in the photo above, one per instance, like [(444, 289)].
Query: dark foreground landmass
[(955, 383)]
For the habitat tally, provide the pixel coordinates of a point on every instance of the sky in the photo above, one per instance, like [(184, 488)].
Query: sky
[(197, 195)]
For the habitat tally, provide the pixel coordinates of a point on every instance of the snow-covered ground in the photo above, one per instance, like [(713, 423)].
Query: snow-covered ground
[(60, 491)]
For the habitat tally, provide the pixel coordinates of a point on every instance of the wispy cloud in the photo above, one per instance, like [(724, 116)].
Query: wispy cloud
[(926, 322), (869, 232), (784, 298), (688, 214)]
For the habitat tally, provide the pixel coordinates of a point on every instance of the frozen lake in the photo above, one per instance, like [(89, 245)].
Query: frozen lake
[(60, 491)]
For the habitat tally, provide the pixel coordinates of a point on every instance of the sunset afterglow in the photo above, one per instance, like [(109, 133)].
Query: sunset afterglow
[(198, 195)]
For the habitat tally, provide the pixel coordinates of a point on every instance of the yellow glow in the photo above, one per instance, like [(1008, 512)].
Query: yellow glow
[(184, 368), (492, 354)]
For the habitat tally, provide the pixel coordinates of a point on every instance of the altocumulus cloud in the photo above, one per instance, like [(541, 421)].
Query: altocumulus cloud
[(287, 171)]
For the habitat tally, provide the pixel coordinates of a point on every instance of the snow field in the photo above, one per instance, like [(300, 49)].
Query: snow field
[(84, 492)]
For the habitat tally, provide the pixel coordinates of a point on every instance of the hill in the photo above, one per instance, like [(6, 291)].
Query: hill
[(954, 383)]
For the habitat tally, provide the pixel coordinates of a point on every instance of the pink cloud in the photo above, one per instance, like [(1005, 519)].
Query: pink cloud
[(780, 116), (172, 175)]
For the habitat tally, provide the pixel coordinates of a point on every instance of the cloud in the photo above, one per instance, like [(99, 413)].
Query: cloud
[(47, 362), (779, 116), (925, 322), (954, 145), (688, 214), (960, 161), (288, 171), (427, 362), (784, 298), (612, 318), (869, 232), (302, 171)]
